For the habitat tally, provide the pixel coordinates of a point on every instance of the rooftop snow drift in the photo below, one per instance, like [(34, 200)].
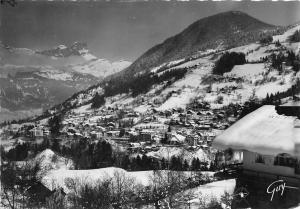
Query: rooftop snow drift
[(262, 131)]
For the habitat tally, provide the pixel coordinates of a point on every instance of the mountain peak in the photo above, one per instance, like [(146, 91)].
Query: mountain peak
[(75, 49), (223, 30), (234, 12)]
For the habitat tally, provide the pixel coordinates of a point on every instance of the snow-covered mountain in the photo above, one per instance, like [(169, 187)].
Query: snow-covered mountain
[(29, 90), (91, 64), (76, 49), (107, 68), (180, 82), (221, 31), (76, 58), (32, 81)]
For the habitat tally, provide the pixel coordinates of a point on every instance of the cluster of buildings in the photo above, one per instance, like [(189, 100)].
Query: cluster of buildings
[(193, 128)]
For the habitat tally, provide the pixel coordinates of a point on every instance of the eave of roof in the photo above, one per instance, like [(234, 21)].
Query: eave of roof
[(262, 131)]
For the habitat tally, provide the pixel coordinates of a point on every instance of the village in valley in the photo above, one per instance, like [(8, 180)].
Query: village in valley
[(138, 133)]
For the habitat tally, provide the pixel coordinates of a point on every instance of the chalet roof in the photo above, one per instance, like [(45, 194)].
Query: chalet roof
[(262, 131)]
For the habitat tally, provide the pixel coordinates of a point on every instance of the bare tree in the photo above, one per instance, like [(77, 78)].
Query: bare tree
[(15, 181), (56, 200), (158, 188), (83, 194), (122, 188), (165, 185)]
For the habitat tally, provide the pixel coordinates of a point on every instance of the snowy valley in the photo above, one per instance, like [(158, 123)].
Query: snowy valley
[(33, 81), (143, 137)]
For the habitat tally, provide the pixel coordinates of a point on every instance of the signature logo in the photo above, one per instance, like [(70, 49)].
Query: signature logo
[(278, 186)]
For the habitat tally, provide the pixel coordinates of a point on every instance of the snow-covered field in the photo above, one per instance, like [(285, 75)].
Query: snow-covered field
[(247, 70), (179, 100), (56, 171), (204, 194), (284, 37)]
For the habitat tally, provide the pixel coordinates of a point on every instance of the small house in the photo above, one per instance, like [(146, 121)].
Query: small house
[(36, 132), (269, 143)]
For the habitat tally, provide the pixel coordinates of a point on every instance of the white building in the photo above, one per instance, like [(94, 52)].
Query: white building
[(36, 132), (270, 143)]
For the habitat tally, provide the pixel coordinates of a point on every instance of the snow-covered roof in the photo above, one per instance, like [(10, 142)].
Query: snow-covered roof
[(262, 131), (178, 137)]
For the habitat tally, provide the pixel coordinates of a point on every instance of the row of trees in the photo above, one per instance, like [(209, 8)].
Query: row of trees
[(175, 163), (97, 101), (121, 191), (266, 39), (295, 37), (290, 59)]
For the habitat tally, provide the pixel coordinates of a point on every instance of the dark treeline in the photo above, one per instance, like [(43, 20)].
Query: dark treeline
[(266, 39), (98, 101), (176, 163), (24, 150), (227, 61), (55, 123), (141, 83), (295, 37)]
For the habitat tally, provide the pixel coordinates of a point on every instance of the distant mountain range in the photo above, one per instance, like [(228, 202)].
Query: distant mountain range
[(76, 49), (207, 36), (31, 81)]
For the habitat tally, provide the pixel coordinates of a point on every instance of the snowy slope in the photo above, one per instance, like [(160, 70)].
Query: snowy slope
[(247, 70), (48, 160), (101, 67), (254, 78), (209, 191), (285, 36)]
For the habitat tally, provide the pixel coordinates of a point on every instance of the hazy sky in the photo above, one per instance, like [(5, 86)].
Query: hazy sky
[(121, 30)]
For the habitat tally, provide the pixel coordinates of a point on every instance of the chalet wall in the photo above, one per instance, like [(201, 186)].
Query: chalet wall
[(268, 166)]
